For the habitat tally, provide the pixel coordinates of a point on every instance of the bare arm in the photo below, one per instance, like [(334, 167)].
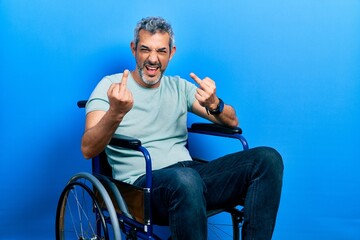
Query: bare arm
[(206, 98), (100, 126)]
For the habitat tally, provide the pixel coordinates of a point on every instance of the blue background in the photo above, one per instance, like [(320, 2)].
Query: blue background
[(290, 68)]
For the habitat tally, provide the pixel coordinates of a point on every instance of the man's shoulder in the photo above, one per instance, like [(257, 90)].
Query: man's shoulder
[(113, 78)]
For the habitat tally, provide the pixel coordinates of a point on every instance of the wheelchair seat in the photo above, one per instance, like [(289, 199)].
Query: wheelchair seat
[(97, 206)]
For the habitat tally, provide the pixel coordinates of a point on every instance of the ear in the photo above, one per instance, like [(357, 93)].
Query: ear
[(173, 50), (132, 47)]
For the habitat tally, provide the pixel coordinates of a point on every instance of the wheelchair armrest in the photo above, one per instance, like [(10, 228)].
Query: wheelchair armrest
[(213, 128), (81, 103), (218, 130), (125, 142), (134, 144)]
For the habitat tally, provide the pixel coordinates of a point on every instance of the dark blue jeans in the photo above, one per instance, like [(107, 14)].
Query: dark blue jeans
[(183, 192)]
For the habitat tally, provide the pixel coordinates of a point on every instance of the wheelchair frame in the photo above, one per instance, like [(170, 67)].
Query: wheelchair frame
[(109, 199)]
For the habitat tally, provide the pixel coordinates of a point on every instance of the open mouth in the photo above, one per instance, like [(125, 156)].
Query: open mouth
[(152, 69)]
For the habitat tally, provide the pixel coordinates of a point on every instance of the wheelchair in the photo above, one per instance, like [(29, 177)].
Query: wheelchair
[(94, 206)]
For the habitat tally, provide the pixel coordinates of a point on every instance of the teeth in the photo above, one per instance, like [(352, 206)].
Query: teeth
[(152, 68)]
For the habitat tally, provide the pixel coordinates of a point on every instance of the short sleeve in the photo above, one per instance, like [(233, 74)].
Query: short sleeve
[(98, 99)]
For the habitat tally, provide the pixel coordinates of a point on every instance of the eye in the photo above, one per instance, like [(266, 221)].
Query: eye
[(162, 51), (144, 49)]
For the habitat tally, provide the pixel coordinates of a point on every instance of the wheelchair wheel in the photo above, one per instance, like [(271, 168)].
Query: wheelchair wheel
[(85, 211), (225, 226)]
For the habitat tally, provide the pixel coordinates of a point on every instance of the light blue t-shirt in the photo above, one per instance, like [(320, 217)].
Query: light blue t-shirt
[(158, 119)]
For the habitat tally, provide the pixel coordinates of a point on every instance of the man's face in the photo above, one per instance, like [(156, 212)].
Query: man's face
[(152, 56)]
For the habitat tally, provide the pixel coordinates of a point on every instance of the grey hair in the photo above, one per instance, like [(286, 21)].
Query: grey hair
[(154, 25)]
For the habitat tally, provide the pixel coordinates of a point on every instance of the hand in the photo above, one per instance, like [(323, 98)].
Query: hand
[(206, 92), (121, 99)]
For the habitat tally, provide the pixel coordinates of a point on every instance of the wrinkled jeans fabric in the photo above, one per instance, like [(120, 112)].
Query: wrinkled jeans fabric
[(183, 192)]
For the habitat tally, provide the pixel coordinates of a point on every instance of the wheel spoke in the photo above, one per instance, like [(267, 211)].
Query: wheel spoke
[(82, 218)]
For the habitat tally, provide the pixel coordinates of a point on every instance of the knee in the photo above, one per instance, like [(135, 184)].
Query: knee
[(271, 160), (187, 182)]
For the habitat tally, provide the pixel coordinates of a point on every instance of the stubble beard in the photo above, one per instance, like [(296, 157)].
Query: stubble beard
[(143, 77)]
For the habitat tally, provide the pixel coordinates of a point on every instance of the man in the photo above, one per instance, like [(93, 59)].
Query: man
[(152, 107)]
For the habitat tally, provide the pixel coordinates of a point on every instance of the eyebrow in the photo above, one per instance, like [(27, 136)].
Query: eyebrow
[(159, 49)]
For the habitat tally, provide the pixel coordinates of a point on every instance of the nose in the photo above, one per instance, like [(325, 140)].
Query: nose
[(153, 57)]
